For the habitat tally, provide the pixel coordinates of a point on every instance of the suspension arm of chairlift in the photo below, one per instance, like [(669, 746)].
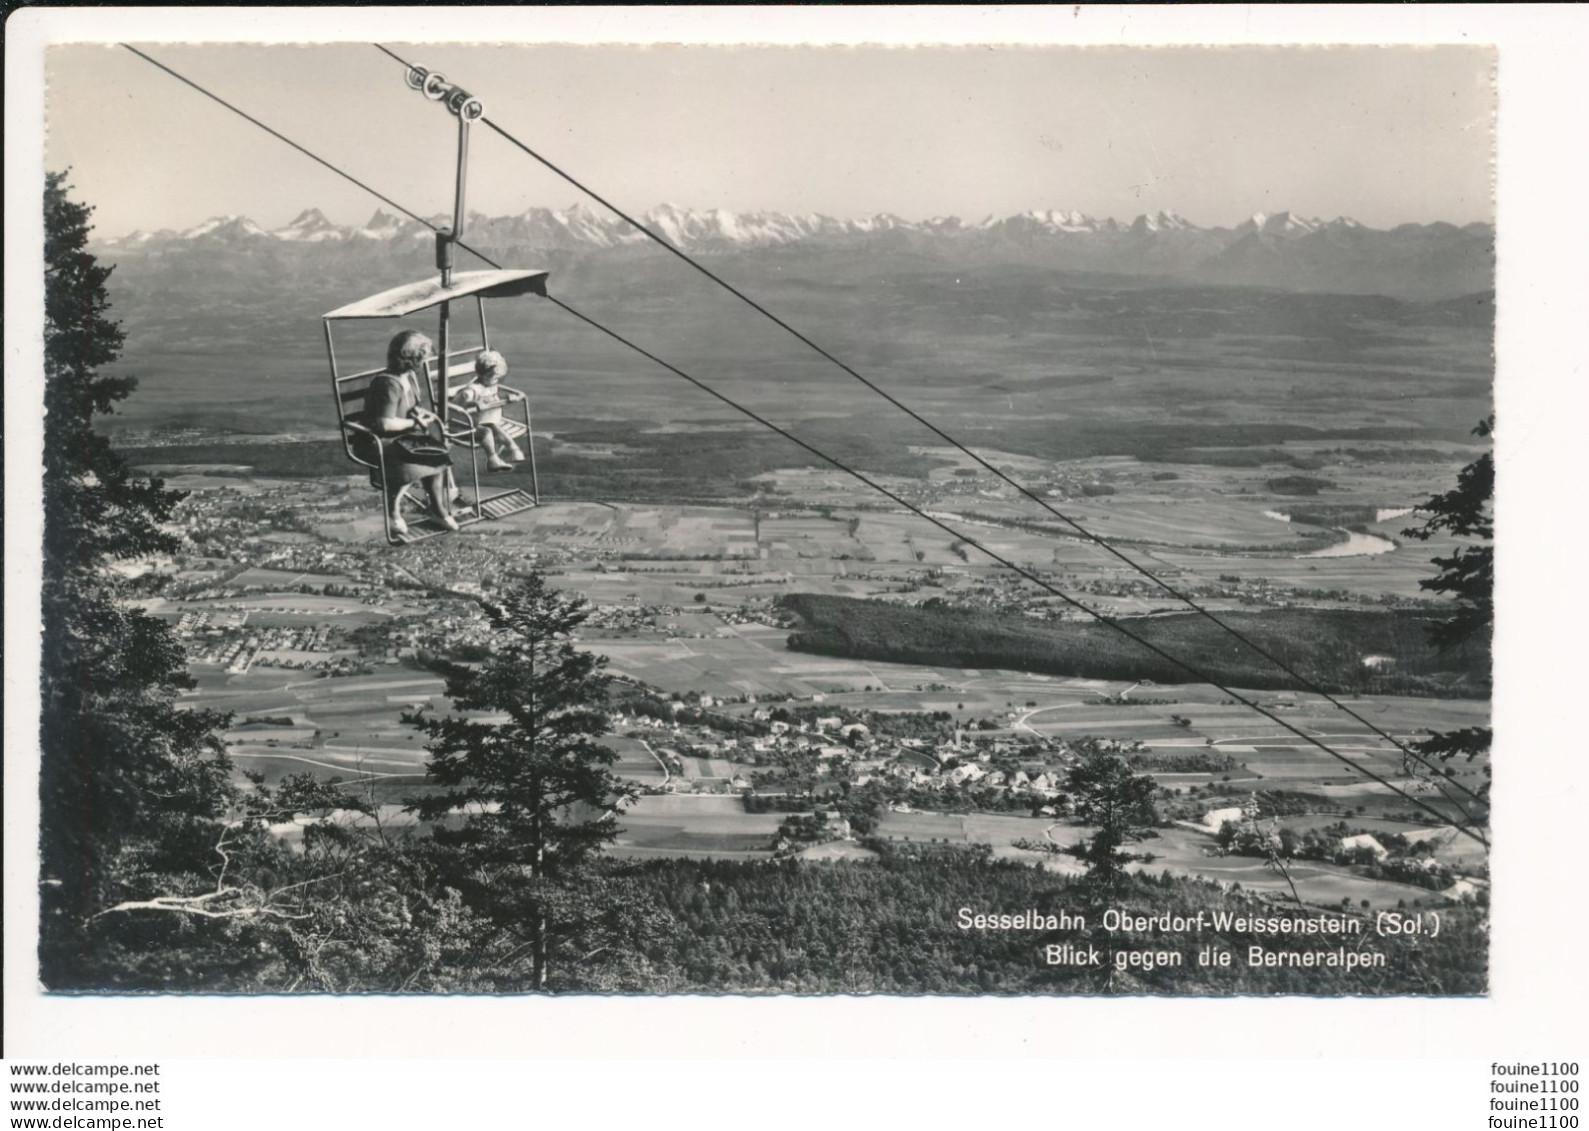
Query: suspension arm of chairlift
[(467, 109), (410, 299)]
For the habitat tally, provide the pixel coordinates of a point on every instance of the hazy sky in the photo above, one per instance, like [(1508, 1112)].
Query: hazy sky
[(1385, 135)]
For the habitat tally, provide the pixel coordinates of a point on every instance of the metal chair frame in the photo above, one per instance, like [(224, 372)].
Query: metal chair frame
[(458, 426), (404, 301)]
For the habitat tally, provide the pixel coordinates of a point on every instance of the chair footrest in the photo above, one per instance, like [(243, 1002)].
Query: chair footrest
[(508, 502), (429, 526), (490, 508)]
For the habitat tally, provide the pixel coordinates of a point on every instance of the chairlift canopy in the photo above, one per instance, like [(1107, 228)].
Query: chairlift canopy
[(411, 298)]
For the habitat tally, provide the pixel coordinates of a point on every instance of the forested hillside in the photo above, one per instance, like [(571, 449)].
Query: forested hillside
[(891, 927), (798, 927), (1326, 645)]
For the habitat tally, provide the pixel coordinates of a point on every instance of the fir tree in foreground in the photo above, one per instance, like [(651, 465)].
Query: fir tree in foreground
[(157, 871), (528, 795), (1467, 576), (130, 786)]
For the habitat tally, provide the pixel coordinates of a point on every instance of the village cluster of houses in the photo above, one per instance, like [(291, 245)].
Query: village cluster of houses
[(997, 764), (209, 623), (222, 639)]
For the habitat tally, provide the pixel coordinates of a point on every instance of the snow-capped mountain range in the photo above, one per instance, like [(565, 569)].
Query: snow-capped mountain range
[(1278, 249), (688, 228)]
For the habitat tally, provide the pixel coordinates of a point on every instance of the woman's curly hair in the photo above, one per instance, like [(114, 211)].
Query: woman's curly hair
[(408, 350)]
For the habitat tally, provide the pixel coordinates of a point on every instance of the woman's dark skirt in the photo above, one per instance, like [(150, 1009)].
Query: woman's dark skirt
[(409, 459)]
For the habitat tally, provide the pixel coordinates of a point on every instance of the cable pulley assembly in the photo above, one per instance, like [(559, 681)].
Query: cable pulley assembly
[(434, 86), (467, 109)]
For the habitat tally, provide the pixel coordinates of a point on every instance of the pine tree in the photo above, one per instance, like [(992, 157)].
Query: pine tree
[(130, 786), (1467, 575), (1107, 794), (535, 787)]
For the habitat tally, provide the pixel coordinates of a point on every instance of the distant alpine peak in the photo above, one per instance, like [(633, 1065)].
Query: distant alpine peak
[(312, 225), (1280, 224), (383, 226), (1058, 220), (137, 238), (1163, 222), (224, 227)]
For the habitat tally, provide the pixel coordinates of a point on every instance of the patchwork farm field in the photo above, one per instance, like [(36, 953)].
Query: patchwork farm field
[(661, 530), (299, 610), (635, 762), (1148, 514), (286, 580), (347, 726), (733, 664)]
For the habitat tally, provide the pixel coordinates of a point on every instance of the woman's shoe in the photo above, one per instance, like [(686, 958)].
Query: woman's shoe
[(448, 521), (495, 463), (515, 454), (398, 525)]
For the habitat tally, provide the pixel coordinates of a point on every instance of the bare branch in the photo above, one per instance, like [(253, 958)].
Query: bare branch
[(195, 904), (189, 905)]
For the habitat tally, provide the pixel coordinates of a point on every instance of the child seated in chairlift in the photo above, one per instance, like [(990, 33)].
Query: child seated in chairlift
[(485, 400)]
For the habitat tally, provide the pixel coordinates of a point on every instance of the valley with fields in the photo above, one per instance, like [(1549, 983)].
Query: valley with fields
[(785, 640)]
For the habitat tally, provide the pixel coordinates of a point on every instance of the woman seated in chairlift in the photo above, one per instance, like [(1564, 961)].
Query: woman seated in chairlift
[(394, 413), (482, 397)]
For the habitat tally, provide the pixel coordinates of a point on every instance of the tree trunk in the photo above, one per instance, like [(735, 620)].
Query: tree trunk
[(538, 959), (538, 951)]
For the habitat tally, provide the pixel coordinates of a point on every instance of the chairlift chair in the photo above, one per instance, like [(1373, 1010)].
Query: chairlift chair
[(451, 367)]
